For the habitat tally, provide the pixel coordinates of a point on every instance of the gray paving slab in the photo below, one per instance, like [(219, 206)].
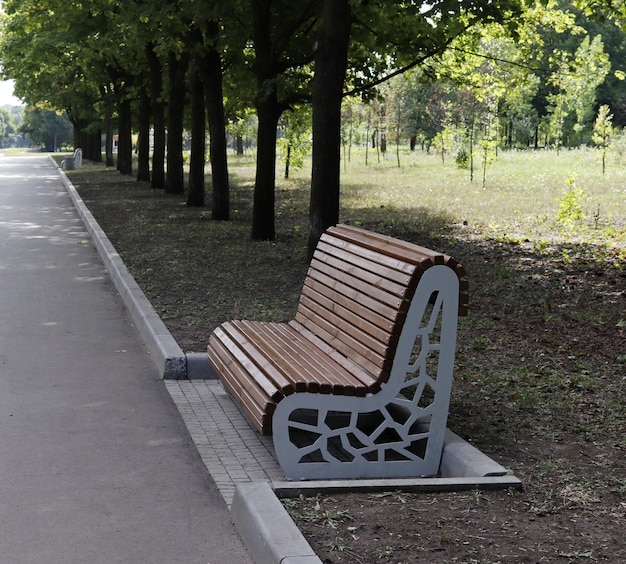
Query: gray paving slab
[(96, 464), (233, 452)]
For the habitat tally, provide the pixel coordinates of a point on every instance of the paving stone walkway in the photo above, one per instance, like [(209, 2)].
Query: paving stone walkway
[(233, 452)]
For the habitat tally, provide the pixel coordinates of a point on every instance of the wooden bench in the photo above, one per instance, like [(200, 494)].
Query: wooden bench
[(358, 384), (75, 161)]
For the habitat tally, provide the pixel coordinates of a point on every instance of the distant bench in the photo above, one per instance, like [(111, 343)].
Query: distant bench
[(75, 161), (358, 384)]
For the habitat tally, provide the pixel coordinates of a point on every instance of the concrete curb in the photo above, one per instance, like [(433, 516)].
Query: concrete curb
[(199, 367), (271, 536), (268, 532)]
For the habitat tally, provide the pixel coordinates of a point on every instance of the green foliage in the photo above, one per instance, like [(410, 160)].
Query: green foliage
[(295, 143), (56, 61), (571, 205), (590, 67), (603, 132), (576, 80), (7, 127), (47, 129), (603, 127), (462, 158)]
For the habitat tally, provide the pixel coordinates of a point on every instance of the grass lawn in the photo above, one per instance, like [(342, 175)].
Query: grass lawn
[(541, 366)]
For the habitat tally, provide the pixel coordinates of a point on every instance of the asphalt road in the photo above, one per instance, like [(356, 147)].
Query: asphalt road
[(96, 465)]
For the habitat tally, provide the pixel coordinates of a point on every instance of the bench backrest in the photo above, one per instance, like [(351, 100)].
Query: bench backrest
[(78, 158), (358, 289)]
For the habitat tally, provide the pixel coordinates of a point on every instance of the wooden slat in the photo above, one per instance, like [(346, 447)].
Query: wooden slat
[(346, 296), (228, 354), (344, 301), (326, 375), (276, 353), (240, 384), (300, 359), (349, 342), (355, 332), (374, 325), (322, 296), (395, 247), (380, 289), (273, 358), (379, 315), (239, 349), (369, 254), (390, 246), (408, 251), (359, 267), (370, 379), (227, 358), (374, 363)]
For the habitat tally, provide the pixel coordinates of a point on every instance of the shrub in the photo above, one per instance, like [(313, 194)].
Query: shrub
[(571, 205), (462, 158)]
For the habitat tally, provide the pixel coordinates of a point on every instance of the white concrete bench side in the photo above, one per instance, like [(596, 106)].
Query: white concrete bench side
[(75, 161), (396, 432)]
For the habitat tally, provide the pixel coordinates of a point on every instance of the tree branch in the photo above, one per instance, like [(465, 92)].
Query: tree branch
[(401, 70)]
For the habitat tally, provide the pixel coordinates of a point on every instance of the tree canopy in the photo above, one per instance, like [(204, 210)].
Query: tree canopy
[(477, 73)]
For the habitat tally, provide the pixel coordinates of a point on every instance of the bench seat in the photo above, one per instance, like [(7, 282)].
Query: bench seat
[(261, 363)]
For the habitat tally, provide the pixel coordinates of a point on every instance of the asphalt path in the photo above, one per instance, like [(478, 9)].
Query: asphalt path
[(96, 465)]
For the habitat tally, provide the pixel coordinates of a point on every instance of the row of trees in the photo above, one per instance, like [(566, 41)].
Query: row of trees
[(7, 128), (167, 66), (48, 129), (541, 88), (34, 126)]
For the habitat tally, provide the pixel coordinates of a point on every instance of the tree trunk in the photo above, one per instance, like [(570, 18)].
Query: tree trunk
[(77, 135), (89, 142), (95, 146), (330, 68), (107, 98), (174, 176), (158, 117), (125, 145), (367, 136), (263, 220), (398, 141), (217, 133), (287, 161), (80, 137), (195, 197), (108, 139), (143, 144), (471, 147), (268, 113)]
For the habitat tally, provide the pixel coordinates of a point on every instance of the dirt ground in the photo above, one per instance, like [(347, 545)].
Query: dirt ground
[(540, 382)]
